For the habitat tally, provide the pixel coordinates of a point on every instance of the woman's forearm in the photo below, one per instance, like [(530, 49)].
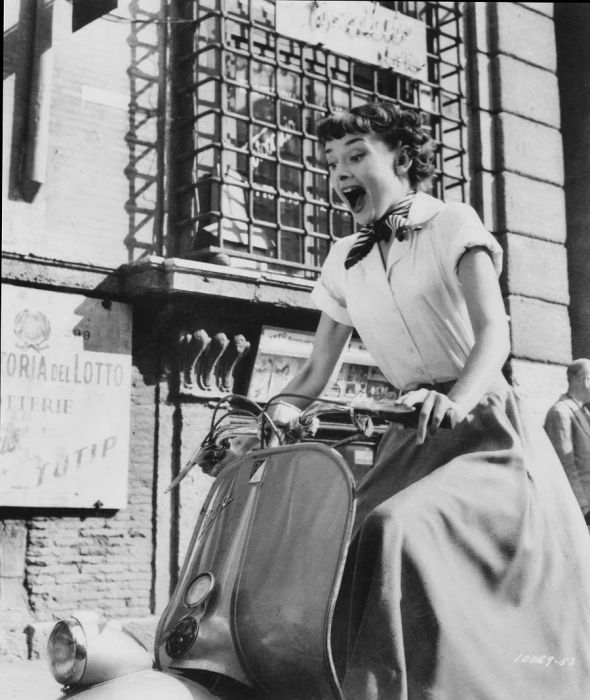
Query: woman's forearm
[(307, 382), (311, 380)]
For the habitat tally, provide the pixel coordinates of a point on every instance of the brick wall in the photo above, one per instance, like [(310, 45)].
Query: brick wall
[(193, 491), (54, 563), (182, 427), (518, 179)]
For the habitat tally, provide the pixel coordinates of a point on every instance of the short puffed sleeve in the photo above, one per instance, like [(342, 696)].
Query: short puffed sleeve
[(328, 293), (461, 231)]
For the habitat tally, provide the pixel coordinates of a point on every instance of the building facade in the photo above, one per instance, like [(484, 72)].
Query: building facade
[(165, 207)]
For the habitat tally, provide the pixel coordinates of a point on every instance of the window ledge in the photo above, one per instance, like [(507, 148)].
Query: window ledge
[(158, 276)]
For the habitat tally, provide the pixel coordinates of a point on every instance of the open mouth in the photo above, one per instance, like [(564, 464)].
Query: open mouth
[(355, 197)]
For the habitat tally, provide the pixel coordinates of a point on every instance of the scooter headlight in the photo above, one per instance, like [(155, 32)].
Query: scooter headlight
[(67, 651), (84, 650), (199, 590)]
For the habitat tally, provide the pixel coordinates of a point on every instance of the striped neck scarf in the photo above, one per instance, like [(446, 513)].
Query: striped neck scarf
[(394, 222)]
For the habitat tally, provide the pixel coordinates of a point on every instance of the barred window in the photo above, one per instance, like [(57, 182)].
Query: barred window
[(252, 187)]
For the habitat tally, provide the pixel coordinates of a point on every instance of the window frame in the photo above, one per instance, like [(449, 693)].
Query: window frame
[(217, 217)]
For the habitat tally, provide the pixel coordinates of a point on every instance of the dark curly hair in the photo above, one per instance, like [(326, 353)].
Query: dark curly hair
[(394, 125)]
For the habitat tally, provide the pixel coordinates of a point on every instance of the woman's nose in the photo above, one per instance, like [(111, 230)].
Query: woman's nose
[(342, 173)]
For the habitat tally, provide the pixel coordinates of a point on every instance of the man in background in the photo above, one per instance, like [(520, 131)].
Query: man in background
[(568, 426)]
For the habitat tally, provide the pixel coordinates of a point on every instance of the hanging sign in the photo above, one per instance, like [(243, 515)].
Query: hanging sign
[(65, 400), (364, 31)]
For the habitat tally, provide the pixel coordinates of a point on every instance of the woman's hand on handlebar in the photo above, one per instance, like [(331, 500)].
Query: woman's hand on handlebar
[(284, 416), (435, 407)]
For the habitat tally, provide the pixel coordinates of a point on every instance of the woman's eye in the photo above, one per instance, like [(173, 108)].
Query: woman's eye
[(356, 157), (331, 166)]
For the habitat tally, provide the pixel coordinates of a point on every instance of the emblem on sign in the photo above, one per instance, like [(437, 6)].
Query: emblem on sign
[(32, 328)]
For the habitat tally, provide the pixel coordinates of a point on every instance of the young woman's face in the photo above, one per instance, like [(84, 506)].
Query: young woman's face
[(362, 173)]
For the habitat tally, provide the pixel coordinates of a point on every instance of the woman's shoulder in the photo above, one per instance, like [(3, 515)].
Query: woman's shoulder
[(431, 210), (456, 214), (455, 221), (457, 229)]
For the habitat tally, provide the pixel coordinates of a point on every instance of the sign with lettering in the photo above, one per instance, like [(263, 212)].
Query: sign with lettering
[(65, 400), (365, 31), (282, 353)]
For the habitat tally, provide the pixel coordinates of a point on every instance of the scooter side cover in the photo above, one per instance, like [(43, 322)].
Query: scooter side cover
[(274, 533)]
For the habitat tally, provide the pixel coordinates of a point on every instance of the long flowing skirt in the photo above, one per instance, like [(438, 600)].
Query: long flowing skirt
[(469, 578)]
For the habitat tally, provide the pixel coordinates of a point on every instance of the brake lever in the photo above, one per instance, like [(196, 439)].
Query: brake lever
[(206, 457), (363, 423), (183, 472)]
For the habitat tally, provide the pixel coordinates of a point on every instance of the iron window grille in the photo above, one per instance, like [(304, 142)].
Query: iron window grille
[(251, 186)]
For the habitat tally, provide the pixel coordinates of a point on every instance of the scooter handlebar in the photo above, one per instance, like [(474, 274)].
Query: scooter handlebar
[(407, 416), (215, 446), (409, 419)]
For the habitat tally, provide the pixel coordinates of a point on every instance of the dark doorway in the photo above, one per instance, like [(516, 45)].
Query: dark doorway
[(572, 29)]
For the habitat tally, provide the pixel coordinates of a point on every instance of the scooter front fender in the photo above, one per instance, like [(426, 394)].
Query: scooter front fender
[(144, 685)]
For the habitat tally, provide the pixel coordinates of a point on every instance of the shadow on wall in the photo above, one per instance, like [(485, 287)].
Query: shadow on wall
[(145, 138), (103, 331)]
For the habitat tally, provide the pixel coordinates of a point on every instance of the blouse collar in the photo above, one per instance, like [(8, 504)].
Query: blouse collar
[(424, 208)]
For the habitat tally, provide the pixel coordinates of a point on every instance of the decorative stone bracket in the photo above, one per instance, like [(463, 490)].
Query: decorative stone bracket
[(208, 363)]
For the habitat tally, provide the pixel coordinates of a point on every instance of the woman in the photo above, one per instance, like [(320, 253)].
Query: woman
[(470, 575)]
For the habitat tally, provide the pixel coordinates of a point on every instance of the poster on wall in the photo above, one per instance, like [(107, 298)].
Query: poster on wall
[(283, 352), (65, 400)]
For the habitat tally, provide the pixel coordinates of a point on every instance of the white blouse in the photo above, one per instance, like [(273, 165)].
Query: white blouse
[(410, 314)]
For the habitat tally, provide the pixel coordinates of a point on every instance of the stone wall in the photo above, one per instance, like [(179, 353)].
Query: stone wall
[(53, 563), (518, 180)]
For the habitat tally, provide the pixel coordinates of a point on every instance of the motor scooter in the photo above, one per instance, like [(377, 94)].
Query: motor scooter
[(251, 615)]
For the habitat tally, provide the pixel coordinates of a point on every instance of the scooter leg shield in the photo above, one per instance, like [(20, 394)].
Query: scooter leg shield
[(273, 538), (291, 572)]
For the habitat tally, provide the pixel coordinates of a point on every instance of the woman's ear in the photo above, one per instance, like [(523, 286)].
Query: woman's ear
[(403, 161)]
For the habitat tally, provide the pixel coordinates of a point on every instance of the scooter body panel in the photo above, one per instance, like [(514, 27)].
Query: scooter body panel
[(215, 548), (144, 685), (274, 534)]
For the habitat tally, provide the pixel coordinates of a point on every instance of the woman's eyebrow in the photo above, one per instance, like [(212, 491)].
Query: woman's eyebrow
[(354, 139)]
